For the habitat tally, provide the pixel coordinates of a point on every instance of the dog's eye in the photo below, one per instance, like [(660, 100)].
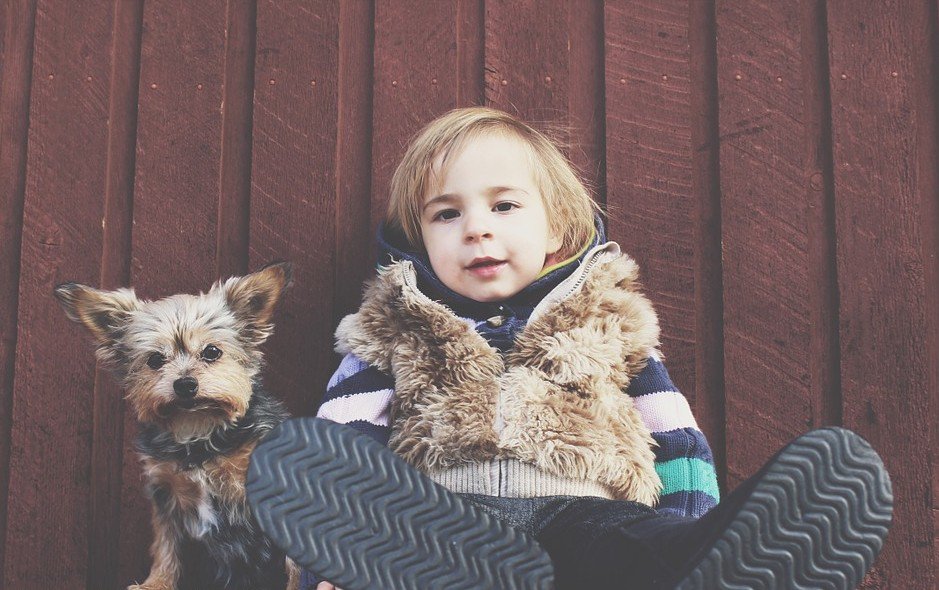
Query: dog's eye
[(156, 360), (211, 353)]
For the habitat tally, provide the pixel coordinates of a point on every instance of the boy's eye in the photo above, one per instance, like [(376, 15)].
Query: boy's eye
[(156, 360), (447, 214), (211, 353), (505, 206)]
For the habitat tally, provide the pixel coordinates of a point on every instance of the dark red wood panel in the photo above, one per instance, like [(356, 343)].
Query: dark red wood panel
[(818, 182), (234, 209), (766, 258), (293, 190), (878, 55), (176, 193), (649, 165), (419, 75), (107, 453), (353, 157), (528, 61), (47, 529), (16, 49), (927, 97), (586, 98), (708, 394)]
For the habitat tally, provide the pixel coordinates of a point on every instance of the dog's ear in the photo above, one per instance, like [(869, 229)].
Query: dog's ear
[(252, 298), (104, 313)]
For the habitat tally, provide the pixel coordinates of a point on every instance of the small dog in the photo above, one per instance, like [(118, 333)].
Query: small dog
[(190, 366)]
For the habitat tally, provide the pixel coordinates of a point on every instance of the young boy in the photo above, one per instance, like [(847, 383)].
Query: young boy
[(507, 355)]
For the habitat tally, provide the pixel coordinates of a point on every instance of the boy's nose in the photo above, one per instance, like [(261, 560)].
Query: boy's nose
[(476, 229), (475, 236)]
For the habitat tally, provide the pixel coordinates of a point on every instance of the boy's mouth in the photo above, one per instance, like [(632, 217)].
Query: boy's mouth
[(485, 267)]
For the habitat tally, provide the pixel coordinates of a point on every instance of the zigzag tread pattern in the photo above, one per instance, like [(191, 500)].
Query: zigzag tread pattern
[(344, 506), (816, 520)]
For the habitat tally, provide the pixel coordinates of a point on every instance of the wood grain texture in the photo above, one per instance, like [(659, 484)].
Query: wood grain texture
[(353, 157), (649, 174), (926, 93), (528, 61), (234, 206), (176, 194), (107, 454), (47, 527), (881, 135), (586, 98), (471, 52), (293, 189), (765, 234), (16, 52), (708, 394)]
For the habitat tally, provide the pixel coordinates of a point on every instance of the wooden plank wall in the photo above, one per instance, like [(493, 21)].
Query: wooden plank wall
[(773, 166)]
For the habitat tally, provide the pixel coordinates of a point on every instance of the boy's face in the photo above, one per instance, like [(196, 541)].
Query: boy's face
[(485, 226)]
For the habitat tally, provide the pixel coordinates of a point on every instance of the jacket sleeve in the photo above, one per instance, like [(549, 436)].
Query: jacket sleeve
[(683, 458), (359, 395)]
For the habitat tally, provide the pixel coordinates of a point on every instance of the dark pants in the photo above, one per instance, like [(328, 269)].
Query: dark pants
[(598, 543)]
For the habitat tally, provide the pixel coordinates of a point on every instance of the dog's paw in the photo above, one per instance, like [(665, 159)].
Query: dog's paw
[(149, 586)]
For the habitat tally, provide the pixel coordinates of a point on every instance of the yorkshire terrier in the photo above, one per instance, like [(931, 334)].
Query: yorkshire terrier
[(190, 366)]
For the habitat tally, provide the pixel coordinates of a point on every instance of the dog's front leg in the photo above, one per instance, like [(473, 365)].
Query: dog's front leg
[(164, 573)]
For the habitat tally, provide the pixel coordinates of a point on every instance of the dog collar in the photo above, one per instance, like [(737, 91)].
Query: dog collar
[(263, 414)]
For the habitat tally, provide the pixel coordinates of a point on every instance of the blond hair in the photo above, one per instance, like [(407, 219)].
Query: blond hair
[(567, 201)]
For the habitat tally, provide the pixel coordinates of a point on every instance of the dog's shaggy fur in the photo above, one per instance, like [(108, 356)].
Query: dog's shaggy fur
[(190, 365), (559, 393)]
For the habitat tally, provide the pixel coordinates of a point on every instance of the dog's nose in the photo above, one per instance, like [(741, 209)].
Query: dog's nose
[(186, 387)]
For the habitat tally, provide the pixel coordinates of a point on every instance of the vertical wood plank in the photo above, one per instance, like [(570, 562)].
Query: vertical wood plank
[(767, 263), (234, 206), (176, 193), (16, 53), (708, 395), (47, 528), (471, 52), (884, 154), (293, 189), (586, 98), (528, 60), (825, 356), (927, 97), (353, 157), (649, 175), (107, 454), (418, 77)]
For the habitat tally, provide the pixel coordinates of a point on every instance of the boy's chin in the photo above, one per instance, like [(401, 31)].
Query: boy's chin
[(489, 296)]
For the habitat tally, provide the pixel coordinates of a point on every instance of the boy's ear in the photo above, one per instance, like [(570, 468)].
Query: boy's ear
[(104, 313), (554, 244), (252, 298)]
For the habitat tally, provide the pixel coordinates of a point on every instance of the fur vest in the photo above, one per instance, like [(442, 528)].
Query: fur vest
[(556, 401)]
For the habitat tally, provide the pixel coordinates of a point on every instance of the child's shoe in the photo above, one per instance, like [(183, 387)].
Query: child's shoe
[(814, 517), (347, 508)]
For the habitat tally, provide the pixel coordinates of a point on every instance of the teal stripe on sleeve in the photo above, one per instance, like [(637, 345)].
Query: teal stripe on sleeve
[(687, 475)]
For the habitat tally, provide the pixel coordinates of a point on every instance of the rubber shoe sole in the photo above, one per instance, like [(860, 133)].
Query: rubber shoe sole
[(345, 507), (816, 519)]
